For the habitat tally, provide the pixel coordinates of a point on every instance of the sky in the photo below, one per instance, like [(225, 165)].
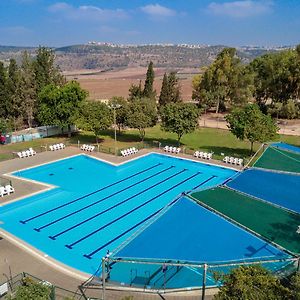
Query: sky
[(210, 22)]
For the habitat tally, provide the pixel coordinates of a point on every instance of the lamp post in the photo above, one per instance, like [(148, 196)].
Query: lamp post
[(114, 106)]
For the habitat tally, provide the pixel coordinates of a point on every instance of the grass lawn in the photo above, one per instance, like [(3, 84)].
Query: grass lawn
[(207, 139)]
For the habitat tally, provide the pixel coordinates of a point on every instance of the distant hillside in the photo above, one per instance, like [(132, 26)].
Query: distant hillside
[(78, 57)]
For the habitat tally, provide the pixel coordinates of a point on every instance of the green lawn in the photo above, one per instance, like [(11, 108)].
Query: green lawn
[(207, 139)]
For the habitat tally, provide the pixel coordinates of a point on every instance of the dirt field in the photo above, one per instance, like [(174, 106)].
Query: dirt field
[(104, 85)]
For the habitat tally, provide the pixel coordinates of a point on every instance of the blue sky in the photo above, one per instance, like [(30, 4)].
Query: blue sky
[(65, 22)]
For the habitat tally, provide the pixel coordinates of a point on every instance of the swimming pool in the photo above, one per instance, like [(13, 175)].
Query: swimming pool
[(95, 206)]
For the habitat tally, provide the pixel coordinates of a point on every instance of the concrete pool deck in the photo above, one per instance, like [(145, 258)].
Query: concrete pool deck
[(20, 260)]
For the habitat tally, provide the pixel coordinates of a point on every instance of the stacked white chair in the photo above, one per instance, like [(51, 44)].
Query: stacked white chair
[(89, 148), (55, 147), (233, 160), (129, 151), (6, 190), (172, 149), (26, 153), (204, 155)]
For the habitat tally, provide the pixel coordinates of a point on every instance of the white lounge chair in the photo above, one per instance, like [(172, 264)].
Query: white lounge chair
[(135, 150), (240, 161), (166, 148), (196, 153), (231, 160), (3, 191), (62, 146), (9, 189), (32, 151), (209, 155), (92, 148), (20, 155), (226, 159), (204, 156), (83, 147), (178, 150)]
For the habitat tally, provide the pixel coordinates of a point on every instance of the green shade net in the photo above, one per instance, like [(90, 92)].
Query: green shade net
[(274, 224), (278, 159)]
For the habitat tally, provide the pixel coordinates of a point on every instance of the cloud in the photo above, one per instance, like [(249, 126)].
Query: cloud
[(240, 9), (86, 12), (158, 11)]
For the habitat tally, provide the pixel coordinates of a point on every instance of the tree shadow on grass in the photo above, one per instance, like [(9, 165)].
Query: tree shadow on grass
[(236, 152)]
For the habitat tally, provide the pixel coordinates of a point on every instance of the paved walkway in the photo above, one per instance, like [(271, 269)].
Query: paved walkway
[(18, 260)]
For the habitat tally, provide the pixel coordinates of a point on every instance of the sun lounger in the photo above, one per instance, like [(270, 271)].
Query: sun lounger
[(166, 148), (3, 191), (32, 151), (9, 189), (178, 150), (209, 155), (240, 161)]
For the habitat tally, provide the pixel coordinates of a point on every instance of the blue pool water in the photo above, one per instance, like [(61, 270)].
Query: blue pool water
[(96, 206), (187, 232), (270, 186)]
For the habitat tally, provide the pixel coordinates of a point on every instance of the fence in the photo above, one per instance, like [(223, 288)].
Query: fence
[(171, 278), (37, 133), (57, 293)]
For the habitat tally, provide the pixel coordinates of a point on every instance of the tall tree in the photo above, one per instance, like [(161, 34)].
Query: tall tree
[(3, 92), (14, 101), (180, 118), (148, 91), (95, 117), (61, 105), (170, 90), (27, 89), (46, 72), (142, 114), (225, 81), (251, 124), (251, 283)]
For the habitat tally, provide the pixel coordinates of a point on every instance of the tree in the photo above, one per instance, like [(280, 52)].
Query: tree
[(148, 91), (95, 117), (170, 90), (142, 114), (27, 89), (251, 283), (14, 101), (225, 81), (135, 91), (295, 286), (180, 118), (31, 290), (121, 112), (250, 123), (45, 70), (277, 76), (61, 105), (3, 92)]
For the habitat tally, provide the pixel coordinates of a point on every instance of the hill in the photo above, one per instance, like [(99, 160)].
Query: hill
[(105, 56)]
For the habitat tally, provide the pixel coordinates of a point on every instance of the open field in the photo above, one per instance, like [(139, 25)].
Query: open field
[(104, 85)]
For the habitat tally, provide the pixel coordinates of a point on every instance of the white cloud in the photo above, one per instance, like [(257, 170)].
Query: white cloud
[(86, 12), (158, 11), (241, 9)]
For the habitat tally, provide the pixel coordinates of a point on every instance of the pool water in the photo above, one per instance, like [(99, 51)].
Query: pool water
[(95, 206)]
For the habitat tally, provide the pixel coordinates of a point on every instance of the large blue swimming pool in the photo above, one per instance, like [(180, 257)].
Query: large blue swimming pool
[(96, 206)]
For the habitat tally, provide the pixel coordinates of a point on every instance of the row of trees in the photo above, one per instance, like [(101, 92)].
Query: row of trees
[(21, 84), (272, 80)]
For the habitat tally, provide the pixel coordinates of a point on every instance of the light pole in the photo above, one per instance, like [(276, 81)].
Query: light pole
[(114, 106)]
